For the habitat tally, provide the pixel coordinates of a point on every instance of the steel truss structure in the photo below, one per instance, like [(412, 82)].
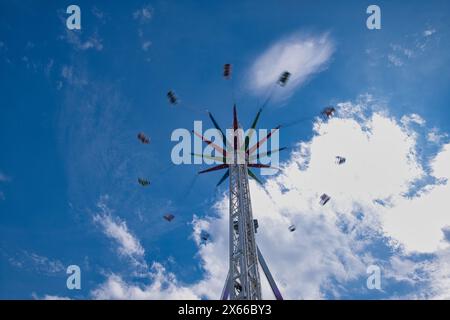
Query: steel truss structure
[(243, 280)]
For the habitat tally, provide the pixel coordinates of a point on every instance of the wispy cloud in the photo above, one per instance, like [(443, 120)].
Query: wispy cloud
[(395, 60), (73, 76), (36, 263), (429, 32), (144, 14), (4, 52), (164, 285), (436, 136), (400, 54), (301, 55), (146, 45), (406, 120), (3, 178), (116, 229), (74, 37), (77, 38), (49, 297), (99, 14)]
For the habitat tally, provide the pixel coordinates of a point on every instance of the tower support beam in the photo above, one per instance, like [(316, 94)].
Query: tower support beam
[(244, 272)]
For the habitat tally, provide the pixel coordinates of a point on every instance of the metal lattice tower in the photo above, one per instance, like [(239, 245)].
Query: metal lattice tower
[(244, 274), (243, 280)]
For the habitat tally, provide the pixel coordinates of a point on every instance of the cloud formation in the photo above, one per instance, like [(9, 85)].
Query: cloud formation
[(73, 76), (144, 14), (402, 54), (163, 286), (35, 263), (3, 178), (116, 229), (49, 297), (301, 55), (74, 38), (419, 222)]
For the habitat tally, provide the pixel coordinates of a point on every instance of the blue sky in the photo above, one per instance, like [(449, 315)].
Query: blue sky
[(72, 103)]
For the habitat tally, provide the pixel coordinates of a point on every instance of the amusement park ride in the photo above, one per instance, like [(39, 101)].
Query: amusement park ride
[(238, 157), (243, 279)]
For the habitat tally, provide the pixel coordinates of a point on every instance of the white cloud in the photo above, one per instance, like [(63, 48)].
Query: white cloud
[(67, 73), (99, 14), (439, 272), (431, 277), (143, 14), (163, 286), (406, 270), (408, 53), (36, 263), (116, 229), (301, 55), (48, 297), (73, 76), (412, 118), (418, 222), (395, 60), (429, 32), (49, 265), (146, 45), (48, 67), (441, 163), (74, 38), (435, 136), (399, 55)]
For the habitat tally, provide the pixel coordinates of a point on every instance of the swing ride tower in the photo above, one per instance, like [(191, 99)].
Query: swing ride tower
[(237, 157), (243, 279)]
